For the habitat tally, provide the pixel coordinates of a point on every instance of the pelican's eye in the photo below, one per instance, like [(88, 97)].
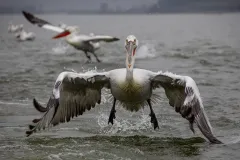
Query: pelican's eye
[(134, 42), (126, 43)]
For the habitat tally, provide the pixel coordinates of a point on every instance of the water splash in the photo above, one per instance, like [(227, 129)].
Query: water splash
[(146, 51), (92, 70), (61, 48), (123, 125)]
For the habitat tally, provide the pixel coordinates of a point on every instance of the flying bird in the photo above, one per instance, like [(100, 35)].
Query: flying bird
[(130, 87), (25, 36), (14, 28), (86, 43)]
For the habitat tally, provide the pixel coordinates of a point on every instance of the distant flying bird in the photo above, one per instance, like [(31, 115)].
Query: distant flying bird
[(131, 87), (14, 28), (86, 43), (25, 36)]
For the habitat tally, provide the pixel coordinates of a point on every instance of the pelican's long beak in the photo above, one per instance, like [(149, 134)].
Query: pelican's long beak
[(130, 54), (63, 34)]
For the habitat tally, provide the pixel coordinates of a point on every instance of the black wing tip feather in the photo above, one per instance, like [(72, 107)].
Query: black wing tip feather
[(31, 127), (29, 133), (33, 19), (38, 106), (116, 39), (28, 16), (36, 120), (214, 140), (24, 12)]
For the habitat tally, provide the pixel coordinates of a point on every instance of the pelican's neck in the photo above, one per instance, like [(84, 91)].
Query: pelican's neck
[(129, 73)]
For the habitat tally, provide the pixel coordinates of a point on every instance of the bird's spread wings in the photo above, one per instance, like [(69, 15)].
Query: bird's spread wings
[(73, 93), (184, 96), (41, 23), (99, 38)]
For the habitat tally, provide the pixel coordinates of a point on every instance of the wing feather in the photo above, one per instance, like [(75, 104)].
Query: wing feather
[(99, 38), (73, 93), (184, 96), (41, 23)]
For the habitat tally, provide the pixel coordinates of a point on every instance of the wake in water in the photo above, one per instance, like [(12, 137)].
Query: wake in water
[(13, 103)]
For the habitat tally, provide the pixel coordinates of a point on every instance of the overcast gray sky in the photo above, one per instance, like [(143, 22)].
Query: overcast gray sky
[(124, 4), (76, 4)]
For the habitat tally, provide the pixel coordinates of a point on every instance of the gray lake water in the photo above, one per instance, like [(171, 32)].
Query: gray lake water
[(203, 46)]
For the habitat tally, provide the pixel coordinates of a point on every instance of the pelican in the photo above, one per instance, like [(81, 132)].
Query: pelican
[(131, 87), (86, 43), (25, 36), (14, 28)]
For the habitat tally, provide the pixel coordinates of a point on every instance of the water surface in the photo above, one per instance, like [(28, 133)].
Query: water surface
[(205, 47)]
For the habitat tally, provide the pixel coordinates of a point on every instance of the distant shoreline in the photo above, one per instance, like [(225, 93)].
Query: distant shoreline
[(122, 13)]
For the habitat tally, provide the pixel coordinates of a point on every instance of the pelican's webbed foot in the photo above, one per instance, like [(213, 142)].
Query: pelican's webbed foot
[(112, 113), (153, 116)]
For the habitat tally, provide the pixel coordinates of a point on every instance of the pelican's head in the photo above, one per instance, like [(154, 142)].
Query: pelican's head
[(73, 29), (131, 44), (68, 30)]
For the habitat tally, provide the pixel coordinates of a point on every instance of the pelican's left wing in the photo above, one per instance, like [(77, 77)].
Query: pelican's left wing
[(72, 94), (41, 23), (99, 38), (184, 96)]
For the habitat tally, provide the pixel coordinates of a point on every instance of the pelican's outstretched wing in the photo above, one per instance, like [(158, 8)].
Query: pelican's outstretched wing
[(99, 38), (41, 23), (184, 96), (73, 93)]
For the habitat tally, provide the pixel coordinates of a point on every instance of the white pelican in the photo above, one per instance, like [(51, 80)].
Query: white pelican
[(74, 92), (86, 43), (25, 36), (14, 28)]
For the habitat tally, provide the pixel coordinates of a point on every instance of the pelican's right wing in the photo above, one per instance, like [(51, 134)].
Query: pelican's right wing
[(41, 23), (73, 93)]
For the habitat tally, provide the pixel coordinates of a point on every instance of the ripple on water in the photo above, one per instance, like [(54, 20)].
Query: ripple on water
[(108, 147)]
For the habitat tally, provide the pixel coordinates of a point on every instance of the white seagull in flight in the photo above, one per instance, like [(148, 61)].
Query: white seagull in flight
[(131, 87), (86, 43)]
